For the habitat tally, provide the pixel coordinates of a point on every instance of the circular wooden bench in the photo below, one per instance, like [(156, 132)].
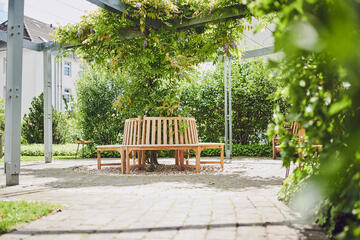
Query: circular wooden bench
[(160, 133)]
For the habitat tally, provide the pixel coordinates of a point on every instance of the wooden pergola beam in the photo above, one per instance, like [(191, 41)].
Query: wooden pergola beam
[(234, 12), (115, 6)]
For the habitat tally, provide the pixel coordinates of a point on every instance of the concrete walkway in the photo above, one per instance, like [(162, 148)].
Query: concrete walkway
[(237, 203)]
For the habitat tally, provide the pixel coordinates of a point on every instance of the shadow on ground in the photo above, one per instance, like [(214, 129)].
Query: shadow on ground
[(67, 178), (306, 234)]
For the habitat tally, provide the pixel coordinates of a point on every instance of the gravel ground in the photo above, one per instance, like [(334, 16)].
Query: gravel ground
[(160, 170)]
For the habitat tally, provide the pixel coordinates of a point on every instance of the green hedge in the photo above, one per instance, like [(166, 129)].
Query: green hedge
[(58, 150), (243, 150), (70, 150), (252, 150), (259, 150)]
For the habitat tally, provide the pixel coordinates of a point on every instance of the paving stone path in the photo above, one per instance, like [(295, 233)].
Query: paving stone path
[(237, 203)]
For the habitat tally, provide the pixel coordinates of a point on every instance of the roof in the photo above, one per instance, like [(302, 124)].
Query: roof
[(34, 31)]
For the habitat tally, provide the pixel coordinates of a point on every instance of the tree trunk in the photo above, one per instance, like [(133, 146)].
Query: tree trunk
[(153, 158), (153, 154)]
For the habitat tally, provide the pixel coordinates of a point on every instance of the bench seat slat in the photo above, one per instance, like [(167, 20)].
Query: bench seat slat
[(125, 132), (181, 133), (139, 131), (176, 132), (131, 131), (143, 133), (159, 132), (147, 131), (164, 132), (171, 131), (186, 132), (153, 131)]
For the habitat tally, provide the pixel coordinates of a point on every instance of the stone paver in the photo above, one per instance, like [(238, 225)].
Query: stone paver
[(238, 203)]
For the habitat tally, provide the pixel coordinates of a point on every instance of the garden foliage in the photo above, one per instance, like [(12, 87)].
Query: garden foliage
[(96, 115), (202, 98), (156, 56), (156, 59), (252, 102), (32, 128), (319, 39), (321, 78)]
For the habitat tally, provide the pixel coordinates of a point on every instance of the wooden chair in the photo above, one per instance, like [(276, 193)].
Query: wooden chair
[(131, 136), (161, 133), (275, 140), (299, 133)]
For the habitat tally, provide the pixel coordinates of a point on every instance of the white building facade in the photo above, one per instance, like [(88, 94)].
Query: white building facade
[(64, 70)]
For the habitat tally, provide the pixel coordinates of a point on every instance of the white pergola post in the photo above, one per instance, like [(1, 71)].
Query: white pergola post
[(15, 33), (228, 108), (47, 107)]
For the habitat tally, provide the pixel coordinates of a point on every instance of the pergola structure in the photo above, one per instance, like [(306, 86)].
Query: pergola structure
[(16, 43)]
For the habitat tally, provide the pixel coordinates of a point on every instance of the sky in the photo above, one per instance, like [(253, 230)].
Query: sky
[(56, 12)]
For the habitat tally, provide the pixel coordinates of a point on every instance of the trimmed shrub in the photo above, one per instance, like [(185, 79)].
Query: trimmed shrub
[(96, 114), (32, 128)]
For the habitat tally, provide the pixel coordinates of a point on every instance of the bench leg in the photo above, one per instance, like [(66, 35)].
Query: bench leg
[(176, 157), (181, 160), (98, 159), (222, 156), (127, 155), (143, 153), (198, 152), (139, 159), (273, 148), (123, 164), (187, 157)]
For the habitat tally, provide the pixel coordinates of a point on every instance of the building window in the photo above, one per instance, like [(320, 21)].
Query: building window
[(67, 69), (67, 97)]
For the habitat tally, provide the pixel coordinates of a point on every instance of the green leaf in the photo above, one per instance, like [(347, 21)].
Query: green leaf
[(338, 106)]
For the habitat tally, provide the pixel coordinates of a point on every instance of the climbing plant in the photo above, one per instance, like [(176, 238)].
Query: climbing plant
[(146, 43)]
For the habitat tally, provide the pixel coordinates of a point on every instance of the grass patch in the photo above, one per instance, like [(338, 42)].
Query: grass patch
[(58, 149), (13, 213)]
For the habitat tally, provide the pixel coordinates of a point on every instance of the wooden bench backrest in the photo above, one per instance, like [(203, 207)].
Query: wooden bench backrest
[(132, 131), (169, 130), (160, 130)]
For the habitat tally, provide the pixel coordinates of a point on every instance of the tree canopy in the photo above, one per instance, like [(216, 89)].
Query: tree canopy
[(146, 38), (152, 43)]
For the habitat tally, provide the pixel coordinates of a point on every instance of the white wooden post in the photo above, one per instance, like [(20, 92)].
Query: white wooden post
[(15, 33), (226, 108), (47, 107), (228, 155)]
